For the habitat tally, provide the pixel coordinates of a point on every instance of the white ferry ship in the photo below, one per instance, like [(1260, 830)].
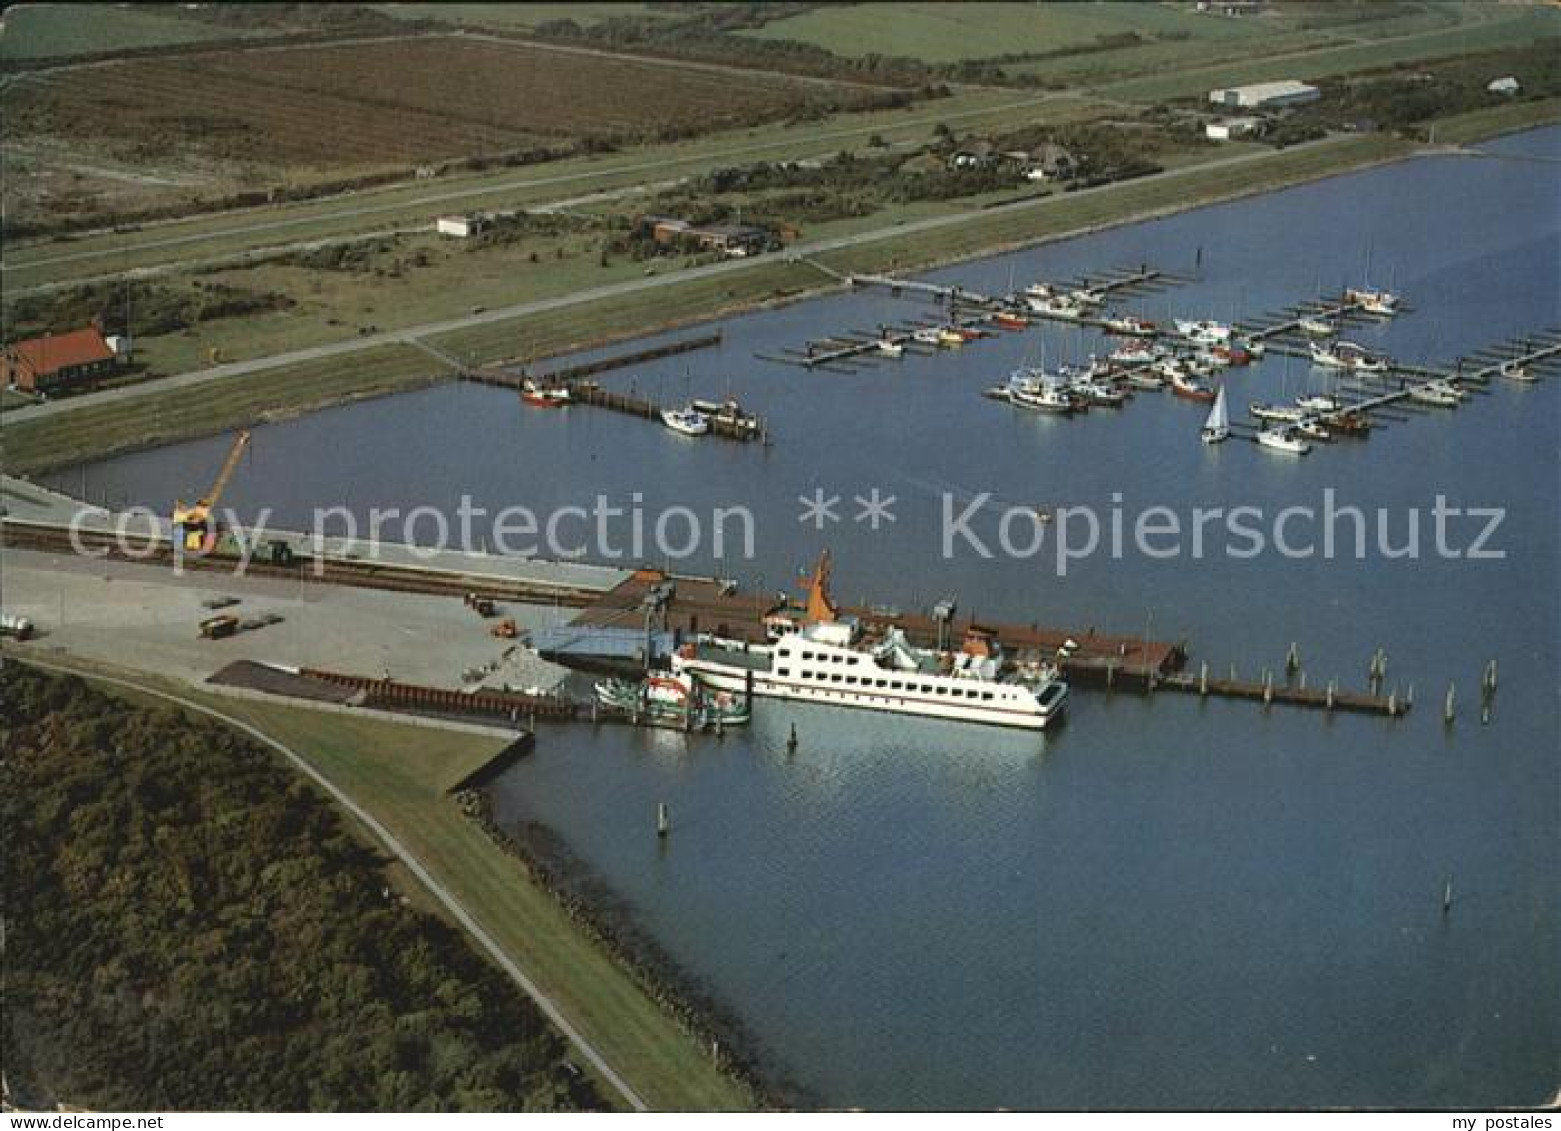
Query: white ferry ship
[(827, 658)]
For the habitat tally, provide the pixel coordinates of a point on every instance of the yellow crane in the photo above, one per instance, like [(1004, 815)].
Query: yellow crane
[(197, 531)]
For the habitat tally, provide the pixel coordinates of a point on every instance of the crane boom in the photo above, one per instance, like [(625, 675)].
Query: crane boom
[(228, 467)]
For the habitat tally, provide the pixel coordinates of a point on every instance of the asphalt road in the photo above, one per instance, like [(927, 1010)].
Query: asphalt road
[(413, 865), (594, 294)]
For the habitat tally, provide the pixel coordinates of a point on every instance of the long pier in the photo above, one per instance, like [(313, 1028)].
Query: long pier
[(968, 311)]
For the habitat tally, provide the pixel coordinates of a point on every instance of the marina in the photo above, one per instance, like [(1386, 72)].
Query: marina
[(1171, 830)]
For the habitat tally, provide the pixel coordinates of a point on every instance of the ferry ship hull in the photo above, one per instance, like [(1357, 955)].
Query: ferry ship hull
[(724, 677)]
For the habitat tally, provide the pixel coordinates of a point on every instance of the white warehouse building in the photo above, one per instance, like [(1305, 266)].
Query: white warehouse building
[(1266, 95)]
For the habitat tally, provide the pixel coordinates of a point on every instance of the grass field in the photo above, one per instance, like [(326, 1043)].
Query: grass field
[(45, 31), (158, 417), (418, 202), (1478, 124), (950, 32), (508, 17), (1513, 28), (356, 104), (400, 775)]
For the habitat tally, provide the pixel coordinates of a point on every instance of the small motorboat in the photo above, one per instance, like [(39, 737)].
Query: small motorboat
[(1347, 355), (1144, 379), (1431, 395), (927, 336), (1203, 331), (1009, 320), (1087, 296), (1190, 390), (1512, 371), (1283, 440), (1276, 413), (1133, 353), (889, 348), (687, 421), (1217, 427), (544, 396), (1317, 402), (950, 337), (1130, 326), (1313, 430), (1315, 327), (1372, 301)]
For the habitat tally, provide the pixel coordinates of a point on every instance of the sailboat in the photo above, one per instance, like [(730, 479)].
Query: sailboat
[(1217, 427)]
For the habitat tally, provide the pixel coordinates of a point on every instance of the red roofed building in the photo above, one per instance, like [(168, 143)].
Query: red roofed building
[(45, 364)]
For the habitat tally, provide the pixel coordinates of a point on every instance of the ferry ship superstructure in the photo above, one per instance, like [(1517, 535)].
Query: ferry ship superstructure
[(820, 656)]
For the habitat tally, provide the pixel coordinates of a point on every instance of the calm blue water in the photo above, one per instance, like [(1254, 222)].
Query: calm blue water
[(1166, 903)]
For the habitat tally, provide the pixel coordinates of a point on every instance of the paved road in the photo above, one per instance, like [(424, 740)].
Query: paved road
[(594, 294), (443, 196), (413, 865)]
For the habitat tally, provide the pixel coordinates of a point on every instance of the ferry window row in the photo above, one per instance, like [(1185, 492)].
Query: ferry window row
[(889, 684), (825, 658)]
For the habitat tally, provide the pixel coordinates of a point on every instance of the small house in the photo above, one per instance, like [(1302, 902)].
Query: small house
[(1051, 162), (57, 361)]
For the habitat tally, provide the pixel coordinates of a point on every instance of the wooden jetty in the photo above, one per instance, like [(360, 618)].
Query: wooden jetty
[(582, 390), (511, 376)]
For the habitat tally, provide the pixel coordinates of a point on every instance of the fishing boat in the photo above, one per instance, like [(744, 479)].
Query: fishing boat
[(1039, 391), (1095, 393), (890, 348), (1316, 327), (1350, 424), (1318, 402), (1203, 331), (1009, 320), (687, 421), (1130, 326), (1283, 440), (1275, 413), (835, 660), (729, 415), (1217, 427), (544, 396), (1133, 353), (674, 700), (1191, 390), (1512, 371)]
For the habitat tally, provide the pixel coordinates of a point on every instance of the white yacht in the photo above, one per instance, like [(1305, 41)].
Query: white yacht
[(688, 421), (1283, 440), (829, 659)]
